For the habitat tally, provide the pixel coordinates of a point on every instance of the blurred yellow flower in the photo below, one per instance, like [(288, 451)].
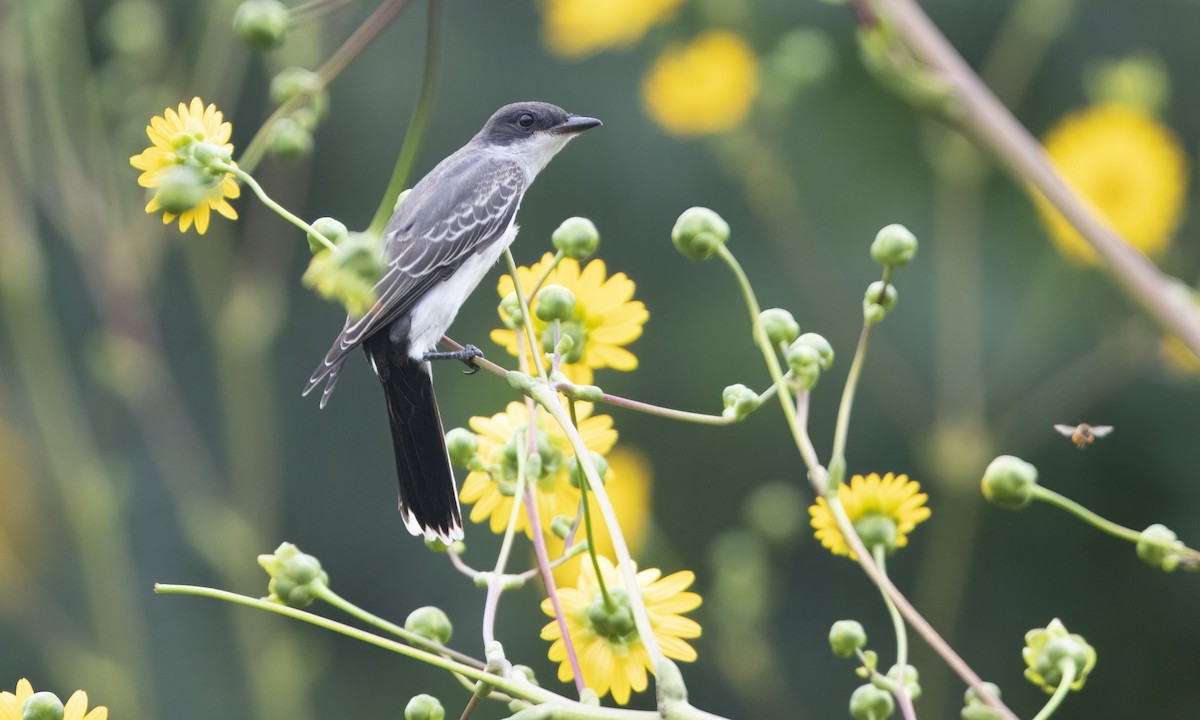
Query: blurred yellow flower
[(578, 28), (628, 484), (502, 440), (893, 501), (606, 317), (1129, 166), (1179, 356), (11, 706), (189, 138), (704, 87), (611, 654)]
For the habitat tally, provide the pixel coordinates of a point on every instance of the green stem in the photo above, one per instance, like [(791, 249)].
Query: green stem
[(587, 523), (1067, 667), (522, 690), (496, 580), (266, 200), (417, 124), (672, 413), (530, 336), (328, 595), (837, 457), (545, 274), (880, 554)]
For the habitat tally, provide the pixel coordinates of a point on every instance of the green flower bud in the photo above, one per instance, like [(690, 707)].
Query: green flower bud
[(868, 702), (876, 529), (42, 706), (524, 672), (699, 232), (181, 190), (821, 345), (907, 677), (462, 444), (894, 246), (1046, 652), (424, 707), (261, 23), (430, 623), (1139, 81), (974, 707), (400, 199), (294, 82), (1009, 482), (555, 302), (805, 362), (739, 401), (562, 525), (510, 311), (615, 622), (436, 544), (533, 465), (332, 230), (347, 273), (778, 511), (574, 329), (779, 325), (576, 238), (879, 300), (296, 578), (586, 393), (575, 474), (289, 140), (1160, 547), (847, 636)]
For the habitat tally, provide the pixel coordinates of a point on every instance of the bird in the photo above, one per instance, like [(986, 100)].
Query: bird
[(442, 239), (1083, 434)]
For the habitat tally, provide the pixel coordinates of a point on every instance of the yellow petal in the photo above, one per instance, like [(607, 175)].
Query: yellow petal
[(75, 706), (201, 213), (678, 649)]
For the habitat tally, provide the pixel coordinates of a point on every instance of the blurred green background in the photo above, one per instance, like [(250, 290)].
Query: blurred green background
[(152, 430)]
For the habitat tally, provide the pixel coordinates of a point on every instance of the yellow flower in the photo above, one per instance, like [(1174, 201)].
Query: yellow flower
[(578, 28), (190, 137), (628, 484), (702, 88), (492, 489), (610, 651), (886, 509), (75, 709), (1129, 166), (606, 317)]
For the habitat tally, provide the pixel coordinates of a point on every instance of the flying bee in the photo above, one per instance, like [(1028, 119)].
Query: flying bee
[(1083, 434)]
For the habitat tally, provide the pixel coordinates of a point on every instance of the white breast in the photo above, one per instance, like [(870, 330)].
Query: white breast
[(433, 313)]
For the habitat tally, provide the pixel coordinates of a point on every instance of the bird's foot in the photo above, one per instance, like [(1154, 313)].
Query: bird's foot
[(466, 356)]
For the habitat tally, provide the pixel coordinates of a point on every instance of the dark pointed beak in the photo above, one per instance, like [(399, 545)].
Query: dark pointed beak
[(575, 124)]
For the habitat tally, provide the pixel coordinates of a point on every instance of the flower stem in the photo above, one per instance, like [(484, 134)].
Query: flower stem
[(530, 336), (525, 691), (328, 595), (558, 256), (496, 580), (880, 554), (266, 200), (837, 457), (1067, 667), (587, 525), (417, 124)]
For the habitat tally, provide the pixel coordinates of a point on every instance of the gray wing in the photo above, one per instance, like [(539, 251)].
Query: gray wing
[(461, 207)]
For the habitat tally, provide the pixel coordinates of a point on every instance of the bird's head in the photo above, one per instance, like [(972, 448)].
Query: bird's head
[(532, 131)]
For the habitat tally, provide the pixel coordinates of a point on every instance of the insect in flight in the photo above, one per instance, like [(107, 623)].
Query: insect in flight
[(1083, 434)]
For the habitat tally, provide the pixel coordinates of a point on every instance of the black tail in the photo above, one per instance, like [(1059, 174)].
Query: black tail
[(428, 495)]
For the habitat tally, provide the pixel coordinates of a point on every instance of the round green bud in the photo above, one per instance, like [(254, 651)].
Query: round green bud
[(510, 311), (907, 677), (894, 246), (779, 325), (699, 232), (294, 82), (1053, 653), (876, 530), (262, 24), (332, 230), (1160, 547), (555, 302), (974, 708), (1009, 482), (400, 199), (42, 706), (575, 474), (615, 622), (296, 577), (424, 707), (847, 636), (576, 238), (436, 544), (573, 351), (868, 702), (821, 345), (462, 444), (182, 189), (878, 300), (739, 401), (289, 140), (565, 345), (562, 525), (430, 623)]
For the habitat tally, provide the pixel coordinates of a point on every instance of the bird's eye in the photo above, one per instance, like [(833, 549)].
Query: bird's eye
[(525, 120)]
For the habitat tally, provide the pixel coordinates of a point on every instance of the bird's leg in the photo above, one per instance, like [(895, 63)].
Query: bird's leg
[(466, 356)]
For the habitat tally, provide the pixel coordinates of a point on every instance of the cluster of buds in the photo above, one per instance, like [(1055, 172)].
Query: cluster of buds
[(347, 273), (296, 578), (302, 90)]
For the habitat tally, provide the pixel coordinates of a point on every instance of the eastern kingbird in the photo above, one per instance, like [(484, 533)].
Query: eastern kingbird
[(438, 245)]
